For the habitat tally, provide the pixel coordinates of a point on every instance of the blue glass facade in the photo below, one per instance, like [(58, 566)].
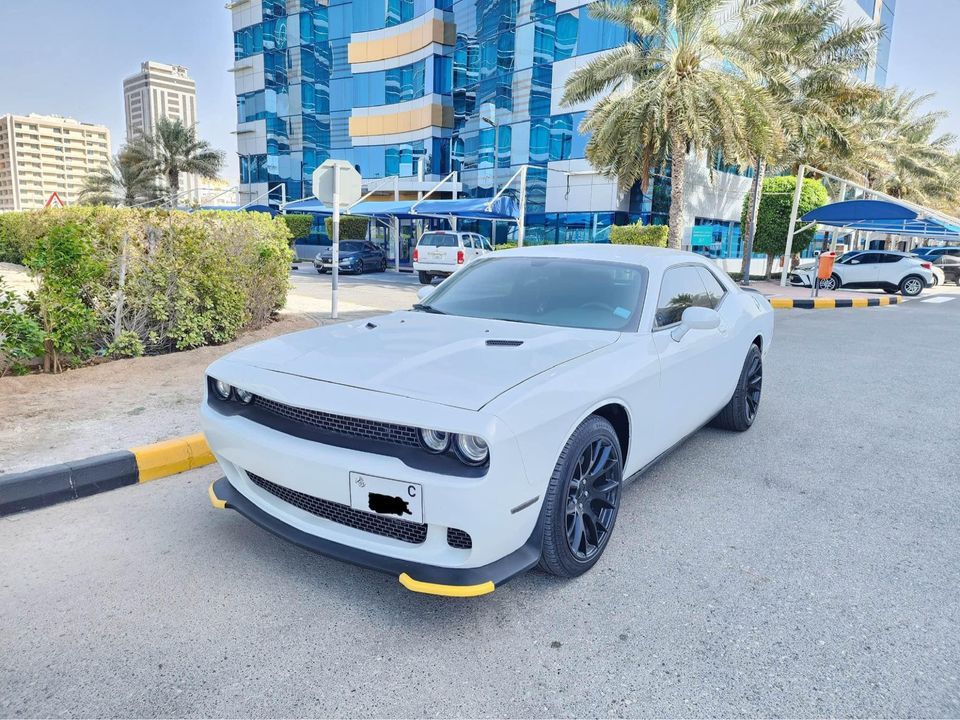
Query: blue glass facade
[(503, 60)]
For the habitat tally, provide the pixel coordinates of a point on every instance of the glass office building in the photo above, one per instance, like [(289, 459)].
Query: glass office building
[(416, 89)]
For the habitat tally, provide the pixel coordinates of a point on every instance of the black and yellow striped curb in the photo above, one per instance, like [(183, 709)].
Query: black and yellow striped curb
[(68, 481), (779, 303)]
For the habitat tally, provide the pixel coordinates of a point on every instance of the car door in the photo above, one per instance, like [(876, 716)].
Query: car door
[(690, 368), (862, 270)]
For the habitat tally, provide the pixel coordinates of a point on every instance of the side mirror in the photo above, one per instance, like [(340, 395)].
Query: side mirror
[(425, 292), (695, 318)]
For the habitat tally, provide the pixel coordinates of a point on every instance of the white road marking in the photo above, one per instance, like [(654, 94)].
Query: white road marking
[(939, 299)]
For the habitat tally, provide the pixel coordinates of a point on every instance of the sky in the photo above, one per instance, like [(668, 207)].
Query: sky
[(64, 57)]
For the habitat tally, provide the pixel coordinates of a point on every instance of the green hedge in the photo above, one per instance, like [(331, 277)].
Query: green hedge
[(121, 282), (298, 225), (352, 227), (651, 235)]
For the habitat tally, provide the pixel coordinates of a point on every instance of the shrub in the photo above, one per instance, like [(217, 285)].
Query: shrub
[(352, 227), (505, 246), (128, 344), (298, 225), (68, 270), (21, 338), (172, 280), (773, 218), (639, 234)]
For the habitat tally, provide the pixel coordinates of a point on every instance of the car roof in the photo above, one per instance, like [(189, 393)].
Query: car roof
[(650, 257)]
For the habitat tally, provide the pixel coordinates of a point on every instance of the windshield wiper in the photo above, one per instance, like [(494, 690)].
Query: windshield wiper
[(428, 308)]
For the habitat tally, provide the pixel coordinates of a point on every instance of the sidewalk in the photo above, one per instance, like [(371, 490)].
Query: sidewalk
[(773, 289)]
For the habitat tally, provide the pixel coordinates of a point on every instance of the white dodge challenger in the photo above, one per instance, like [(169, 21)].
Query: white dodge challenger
[(492, 427)]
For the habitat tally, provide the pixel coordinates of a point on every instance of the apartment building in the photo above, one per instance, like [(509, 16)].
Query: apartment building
[(43, 154), (161, 91)]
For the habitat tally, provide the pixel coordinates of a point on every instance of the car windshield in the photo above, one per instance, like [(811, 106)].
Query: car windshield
[(545, 291), (438, 240), (847, 257)]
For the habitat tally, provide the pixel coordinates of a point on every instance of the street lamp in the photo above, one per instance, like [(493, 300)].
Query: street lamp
[(496, 156)]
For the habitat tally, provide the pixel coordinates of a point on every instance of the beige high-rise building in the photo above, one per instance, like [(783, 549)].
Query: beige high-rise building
[(161, 90), (45, 154)]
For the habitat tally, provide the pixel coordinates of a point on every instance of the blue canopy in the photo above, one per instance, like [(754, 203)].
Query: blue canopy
[(503, 208), (883, 216)]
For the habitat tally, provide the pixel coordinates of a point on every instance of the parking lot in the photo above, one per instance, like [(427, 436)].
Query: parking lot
[(805, 568)]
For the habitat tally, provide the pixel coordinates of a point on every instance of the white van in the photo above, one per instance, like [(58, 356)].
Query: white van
[(440, 253)]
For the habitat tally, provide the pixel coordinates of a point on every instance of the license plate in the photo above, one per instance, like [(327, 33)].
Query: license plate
[(389, 498)]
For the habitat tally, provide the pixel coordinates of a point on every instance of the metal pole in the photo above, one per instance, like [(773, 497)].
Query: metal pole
[(523, 206), (336, 243), (754, 214), (395, 226), (788, 253), (496, 158)]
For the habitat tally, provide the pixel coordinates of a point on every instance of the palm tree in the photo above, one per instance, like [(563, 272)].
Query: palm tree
[(174, 149), (816, 89), (123, 182), (688, 80), (902, 154)]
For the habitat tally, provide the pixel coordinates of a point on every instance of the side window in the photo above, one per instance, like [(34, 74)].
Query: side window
[(870, 258), (889, 258), (467, 241), (682, 287), (713, 287)]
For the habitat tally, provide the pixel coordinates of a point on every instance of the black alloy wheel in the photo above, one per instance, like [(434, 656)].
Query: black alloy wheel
[(592, 495), (751, 396), (582, 500)]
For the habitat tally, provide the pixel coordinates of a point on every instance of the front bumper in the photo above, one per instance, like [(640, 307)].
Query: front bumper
[(328, 265), (417, 577), (799, 280)]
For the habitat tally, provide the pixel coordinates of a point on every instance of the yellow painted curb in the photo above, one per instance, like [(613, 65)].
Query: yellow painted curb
[(172, 456), (781, 303)]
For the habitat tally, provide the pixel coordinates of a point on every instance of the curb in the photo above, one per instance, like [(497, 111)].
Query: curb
[(71, 480), (831, 303)]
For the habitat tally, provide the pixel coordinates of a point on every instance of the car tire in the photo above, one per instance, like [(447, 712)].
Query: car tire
[(936, 281), (578, 514), (383, 265), (359, 269), (322, 271), (912, 285), (888, 291), (425, 278), (738, 414), (831, 283)]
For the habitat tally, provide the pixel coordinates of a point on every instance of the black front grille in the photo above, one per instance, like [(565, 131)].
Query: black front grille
[(457, 538), (395, 528), (343, 424)]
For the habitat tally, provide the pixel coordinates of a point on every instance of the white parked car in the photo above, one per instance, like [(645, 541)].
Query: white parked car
[(872, 269), (493, 426), (441, 253)]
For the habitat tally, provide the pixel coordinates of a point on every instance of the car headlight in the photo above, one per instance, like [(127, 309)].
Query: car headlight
[(222, 389), (244, 396), (471, 449), (435, 441)]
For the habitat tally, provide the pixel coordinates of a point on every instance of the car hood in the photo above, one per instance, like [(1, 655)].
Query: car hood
[(457, 361)]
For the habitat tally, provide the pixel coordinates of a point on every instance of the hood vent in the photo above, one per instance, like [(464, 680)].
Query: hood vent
[(504, 343)]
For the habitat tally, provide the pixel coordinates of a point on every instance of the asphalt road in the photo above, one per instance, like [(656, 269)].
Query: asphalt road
[(808, 567)]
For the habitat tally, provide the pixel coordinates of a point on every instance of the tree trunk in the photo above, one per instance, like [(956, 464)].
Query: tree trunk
[(173, 180), (678, 157), (748, 233), (770, 259)]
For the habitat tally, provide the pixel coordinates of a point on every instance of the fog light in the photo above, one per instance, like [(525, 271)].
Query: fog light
[(471, 449), (244, 396), (222, 389), (435, 441)]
